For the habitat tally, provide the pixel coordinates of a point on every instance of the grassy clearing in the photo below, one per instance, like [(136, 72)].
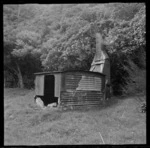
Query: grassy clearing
[(119, 122)]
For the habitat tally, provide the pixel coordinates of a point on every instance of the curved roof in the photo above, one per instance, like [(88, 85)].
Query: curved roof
[(55, 72)]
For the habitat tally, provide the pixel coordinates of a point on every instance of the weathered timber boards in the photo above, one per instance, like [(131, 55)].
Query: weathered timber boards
[(84, 104), (81, 93), (81, 105), (71, 81), (87, 104), (84, 98), (82, 82)]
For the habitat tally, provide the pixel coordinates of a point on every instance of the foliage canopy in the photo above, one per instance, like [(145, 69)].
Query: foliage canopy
[(62, 37)]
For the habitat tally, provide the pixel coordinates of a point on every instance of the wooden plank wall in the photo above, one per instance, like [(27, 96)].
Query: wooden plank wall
[(39, 85), (81, 98), (82, 89)]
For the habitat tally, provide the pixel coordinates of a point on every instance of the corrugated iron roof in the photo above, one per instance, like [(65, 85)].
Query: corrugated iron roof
[(55, 72)]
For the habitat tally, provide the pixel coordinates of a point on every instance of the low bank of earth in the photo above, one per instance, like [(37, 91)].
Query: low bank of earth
[(119, 122)]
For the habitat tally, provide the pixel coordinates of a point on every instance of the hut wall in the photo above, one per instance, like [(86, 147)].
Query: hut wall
[(57, 86), (39, 85), (82, 89)]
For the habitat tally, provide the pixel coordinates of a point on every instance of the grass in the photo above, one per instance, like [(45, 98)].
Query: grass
[(119, 122)]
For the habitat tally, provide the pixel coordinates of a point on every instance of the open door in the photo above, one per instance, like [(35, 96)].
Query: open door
[(49, 90)]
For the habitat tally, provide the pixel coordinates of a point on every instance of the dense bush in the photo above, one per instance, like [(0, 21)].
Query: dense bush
[(62, 37)]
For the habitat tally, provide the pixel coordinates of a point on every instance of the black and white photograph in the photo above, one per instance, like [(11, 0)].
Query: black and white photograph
[(74, 74)]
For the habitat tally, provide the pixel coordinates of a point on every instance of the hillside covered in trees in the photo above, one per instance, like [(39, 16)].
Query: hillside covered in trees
[(62, 37)]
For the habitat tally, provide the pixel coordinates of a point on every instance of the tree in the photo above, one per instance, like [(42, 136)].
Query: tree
[(74, 38), (126, 11), (61, 37), (19, 46)]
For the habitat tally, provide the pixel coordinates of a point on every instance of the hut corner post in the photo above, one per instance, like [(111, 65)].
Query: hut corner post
[(101, 63)]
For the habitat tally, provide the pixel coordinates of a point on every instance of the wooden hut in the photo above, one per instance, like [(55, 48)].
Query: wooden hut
[(70, 88), (77, 88)]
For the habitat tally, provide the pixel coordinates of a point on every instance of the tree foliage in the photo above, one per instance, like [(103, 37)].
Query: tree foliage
[(62, 37)]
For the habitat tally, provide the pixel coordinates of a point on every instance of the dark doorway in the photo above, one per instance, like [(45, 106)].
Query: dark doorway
[(49, 89)]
